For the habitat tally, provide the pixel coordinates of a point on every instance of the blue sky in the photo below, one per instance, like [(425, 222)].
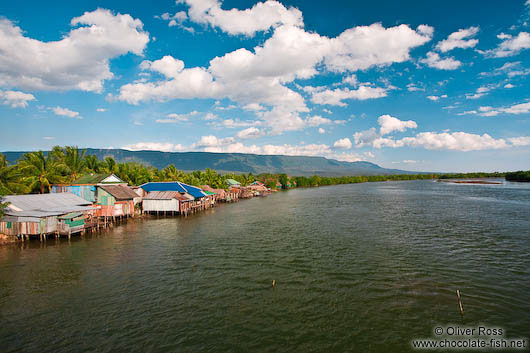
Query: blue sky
[(412, 85)]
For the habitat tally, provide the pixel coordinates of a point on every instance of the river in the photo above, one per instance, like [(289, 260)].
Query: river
[(362, 267)]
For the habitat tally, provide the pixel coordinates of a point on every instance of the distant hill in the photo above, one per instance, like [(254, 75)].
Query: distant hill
[(239, 162)]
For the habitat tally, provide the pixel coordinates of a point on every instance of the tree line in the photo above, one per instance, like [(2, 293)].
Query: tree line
[(523, 176)]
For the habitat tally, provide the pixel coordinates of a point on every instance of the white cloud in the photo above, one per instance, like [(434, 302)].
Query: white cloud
[(510, 45), (257, 79), (455, 141), (212, 143), (481, 91), (317, 120), (459, 141), (210, 116), (412, 87), (344, 143), (154, 146), (509, 85), (49, 137), (366, 137), (16, 99), (176, 19), (435, 98), (459, 39), (231, 123), (254, 107), (520, 141), (167, 66), (261, 17), (351, 80), (66, 112), (361, 47), (433, 60), (79, 61), (251, 132), (389, 124), (177, 118), (321, 130), (336, 96), (521, 108), (101, 110)]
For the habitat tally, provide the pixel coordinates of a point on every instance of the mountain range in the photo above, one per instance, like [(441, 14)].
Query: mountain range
[(239, 162)]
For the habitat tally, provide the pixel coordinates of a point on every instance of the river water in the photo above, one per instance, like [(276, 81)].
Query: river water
[(363, 267)]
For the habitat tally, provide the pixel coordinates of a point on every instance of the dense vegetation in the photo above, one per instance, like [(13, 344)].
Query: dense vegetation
[(518, 176), (35, 172)]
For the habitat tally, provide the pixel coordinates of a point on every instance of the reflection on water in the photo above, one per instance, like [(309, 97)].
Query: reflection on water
[(363, 267)]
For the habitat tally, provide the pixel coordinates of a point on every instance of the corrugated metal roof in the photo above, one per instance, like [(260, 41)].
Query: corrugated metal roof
[(44, 201), (162, 195), (120, 192), (232, 182), (174, 186), (32, 215)]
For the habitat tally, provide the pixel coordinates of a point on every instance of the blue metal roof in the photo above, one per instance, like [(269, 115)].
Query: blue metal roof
[(174, 186)]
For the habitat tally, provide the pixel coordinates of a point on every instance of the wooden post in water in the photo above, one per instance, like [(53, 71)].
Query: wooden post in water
[(460, 302)]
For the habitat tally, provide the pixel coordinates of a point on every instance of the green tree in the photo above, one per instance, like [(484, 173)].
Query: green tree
[(10, 178), (92, 163), (74, 162), (39, 171), (110, 164)]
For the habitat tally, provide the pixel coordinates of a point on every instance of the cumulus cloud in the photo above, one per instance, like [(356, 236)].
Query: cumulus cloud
[(317, 120), (79, 61), (459, 141), (16, 99), (258, 79), (344, 143), (66, 112), (456, 141), (167, 66), (336, 96), (389, 124), (520, 141), (459, 39), (261, 17), (362, 47), (251, 132), (510, 45), (231, 123), (154, 146), (435, 61), (101, 110), (321, 130)]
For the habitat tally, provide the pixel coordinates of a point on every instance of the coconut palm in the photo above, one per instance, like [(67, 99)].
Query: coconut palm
[(10, 178), (39, 171), (74, 161), (110, 164), (92, 163)]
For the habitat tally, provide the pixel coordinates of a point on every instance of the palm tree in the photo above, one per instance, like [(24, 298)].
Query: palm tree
[(110, 164), (40, 171), (10, 178), (74, 161), (92, 163)]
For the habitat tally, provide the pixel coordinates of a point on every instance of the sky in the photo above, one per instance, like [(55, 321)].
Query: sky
[(415, 85)]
